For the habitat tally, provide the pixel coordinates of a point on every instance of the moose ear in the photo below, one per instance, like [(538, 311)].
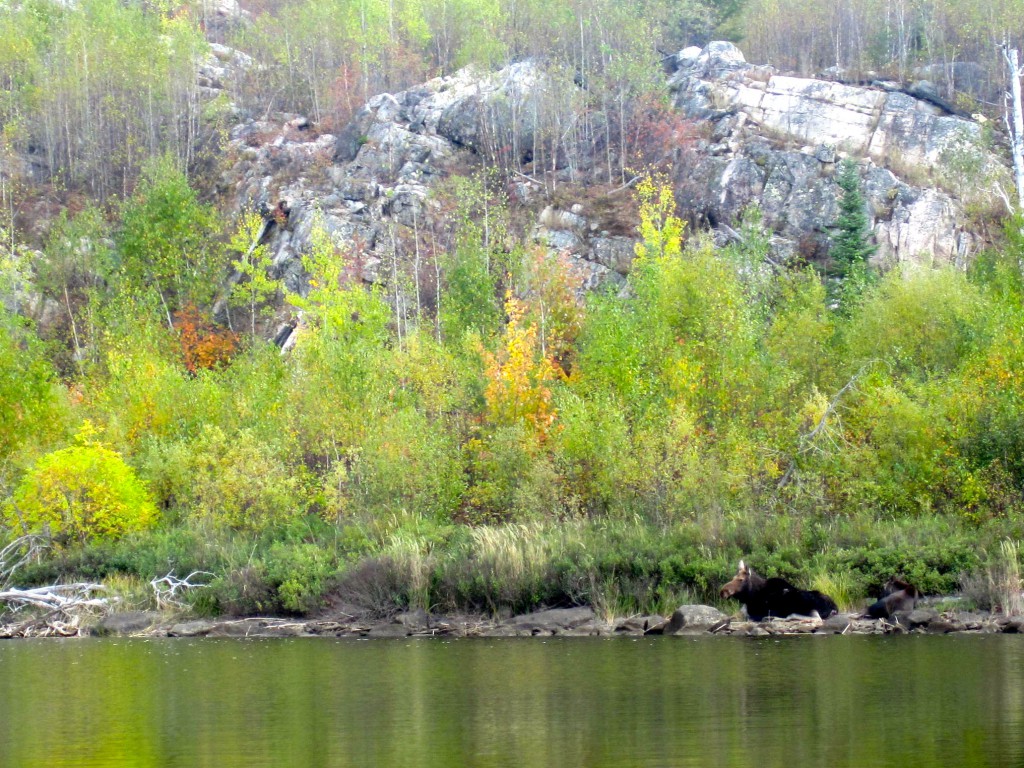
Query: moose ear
[(743, 568)]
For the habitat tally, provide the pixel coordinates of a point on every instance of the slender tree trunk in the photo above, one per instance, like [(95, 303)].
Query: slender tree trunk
[(394, 278), (437, 287), (416, 263), (1017, 130), (167, 311), (74, 328)]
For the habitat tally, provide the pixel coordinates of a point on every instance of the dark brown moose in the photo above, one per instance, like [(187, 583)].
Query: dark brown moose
[(897, 595), (775, 597)]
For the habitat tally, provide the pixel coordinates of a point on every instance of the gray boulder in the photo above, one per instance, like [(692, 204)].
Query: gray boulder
[(199, 628), (690, 618), (965, 76), (415, 620), (498, 111), (389, 631), (920, 617), (641, 625), (837, 623), (554, 619), (126, 623), (1012, 624)]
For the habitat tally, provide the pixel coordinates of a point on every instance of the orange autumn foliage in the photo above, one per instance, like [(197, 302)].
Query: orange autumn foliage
[(204, 344)]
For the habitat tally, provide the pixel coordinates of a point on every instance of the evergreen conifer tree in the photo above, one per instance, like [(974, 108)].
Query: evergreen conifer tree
[(852, 246)]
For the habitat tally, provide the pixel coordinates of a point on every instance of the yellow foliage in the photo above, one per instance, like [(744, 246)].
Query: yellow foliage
[(518, 377), (83, 492), (661, 231)]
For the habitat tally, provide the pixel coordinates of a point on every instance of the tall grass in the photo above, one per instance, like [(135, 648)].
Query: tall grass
[(621, 566), (998, 585), (512, 566), (414, 563), (839, 585)]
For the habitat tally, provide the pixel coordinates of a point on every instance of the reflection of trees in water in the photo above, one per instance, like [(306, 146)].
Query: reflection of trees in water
[(837, 701)]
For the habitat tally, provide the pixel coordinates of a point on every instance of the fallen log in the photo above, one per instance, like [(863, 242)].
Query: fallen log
[(63, 598)]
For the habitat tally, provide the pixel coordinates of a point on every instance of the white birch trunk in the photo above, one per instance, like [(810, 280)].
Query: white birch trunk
[(1017, 131)]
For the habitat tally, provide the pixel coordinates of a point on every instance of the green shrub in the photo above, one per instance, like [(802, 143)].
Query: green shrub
[(245, 591), (86, 492), (31, 403), (920, 323), (407, 462), (300, 573), (240, 482)]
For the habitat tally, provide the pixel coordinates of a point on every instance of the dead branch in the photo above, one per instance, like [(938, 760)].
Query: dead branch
[(53, 611), (806, 440), (17, 553), (737, 237), (63, 599), (169, 589), (42, 627), (627, 185), (731, 233), (528, 178)]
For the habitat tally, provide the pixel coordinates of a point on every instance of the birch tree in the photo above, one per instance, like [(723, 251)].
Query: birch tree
[(1015, 119)]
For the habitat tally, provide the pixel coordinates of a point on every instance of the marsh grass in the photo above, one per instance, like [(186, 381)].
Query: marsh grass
[(840, 586), (620, 565), (129, 592), (615, 598), (512, 565), (997, 586), (414, 563)]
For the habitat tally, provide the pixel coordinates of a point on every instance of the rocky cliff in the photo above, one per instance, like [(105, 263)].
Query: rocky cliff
[(764, 139), (773, 141)]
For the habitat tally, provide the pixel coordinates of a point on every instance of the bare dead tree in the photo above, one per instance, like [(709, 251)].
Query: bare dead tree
[(52, 611), (807, 441), (62, 598)]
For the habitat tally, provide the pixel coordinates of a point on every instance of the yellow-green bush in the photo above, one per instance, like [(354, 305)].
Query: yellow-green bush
[(85, 492), (921, 324), (238, 481)]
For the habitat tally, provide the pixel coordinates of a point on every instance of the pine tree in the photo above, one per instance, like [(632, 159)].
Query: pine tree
[(852, 246), (852, 243)]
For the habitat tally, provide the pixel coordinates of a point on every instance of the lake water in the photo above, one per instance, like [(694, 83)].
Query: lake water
[(802, 701)]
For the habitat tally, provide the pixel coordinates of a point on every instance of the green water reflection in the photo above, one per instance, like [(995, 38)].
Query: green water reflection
[(836, 701)]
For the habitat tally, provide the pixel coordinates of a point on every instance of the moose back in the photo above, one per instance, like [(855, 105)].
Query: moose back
[(775, 597)]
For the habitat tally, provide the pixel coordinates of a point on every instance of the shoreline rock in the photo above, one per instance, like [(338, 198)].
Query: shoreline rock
[(582, 621)]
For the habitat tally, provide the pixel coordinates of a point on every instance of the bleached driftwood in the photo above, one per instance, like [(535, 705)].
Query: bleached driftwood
[(50, 611), (53, 611), (62, 598), (169, 589)]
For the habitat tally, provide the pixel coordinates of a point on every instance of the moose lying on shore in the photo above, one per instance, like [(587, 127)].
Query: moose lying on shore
[(897, 595), (776, 597)]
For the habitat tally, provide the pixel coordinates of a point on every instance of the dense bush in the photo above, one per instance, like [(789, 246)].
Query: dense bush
[(32, 406), (80, 493)]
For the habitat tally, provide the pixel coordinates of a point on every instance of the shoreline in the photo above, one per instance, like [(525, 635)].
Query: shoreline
[(687, 621)]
